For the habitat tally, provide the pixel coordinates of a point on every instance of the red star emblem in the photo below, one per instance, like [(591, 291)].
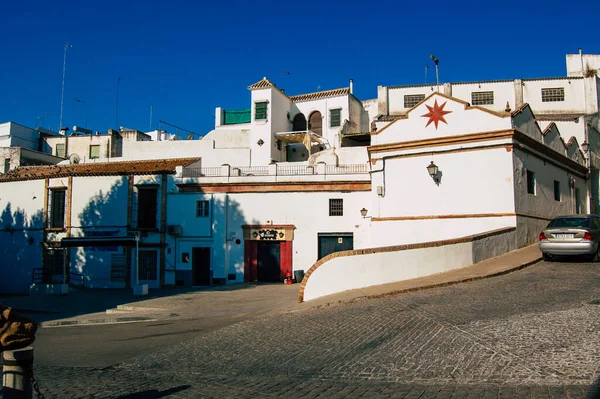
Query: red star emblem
[(436, 114)]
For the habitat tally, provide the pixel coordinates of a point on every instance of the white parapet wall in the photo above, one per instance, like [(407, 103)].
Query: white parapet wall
[(349, 270)]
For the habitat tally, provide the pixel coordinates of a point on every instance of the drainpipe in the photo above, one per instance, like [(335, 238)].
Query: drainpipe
[(226, 236)]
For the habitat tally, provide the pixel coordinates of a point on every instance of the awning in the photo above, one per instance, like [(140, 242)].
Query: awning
[(108, 241), (301, 137)]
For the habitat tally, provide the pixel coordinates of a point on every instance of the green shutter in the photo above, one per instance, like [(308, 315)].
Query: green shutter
[(260, 111), (335, 117)]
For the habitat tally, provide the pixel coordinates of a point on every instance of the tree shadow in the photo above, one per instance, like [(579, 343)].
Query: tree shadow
[(20, 250)]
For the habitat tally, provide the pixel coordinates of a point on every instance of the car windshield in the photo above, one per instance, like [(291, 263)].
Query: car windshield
[(569, 222)]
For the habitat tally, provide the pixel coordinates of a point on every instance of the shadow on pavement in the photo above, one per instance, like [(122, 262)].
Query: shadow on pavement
[(78, 302), (151, 394)]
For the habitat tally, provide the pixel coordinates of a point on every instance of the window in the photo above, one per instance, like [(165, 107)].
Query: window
[(482, 98), (530, 182), (336, 207), (413, 99), (556, 94), (335, 117), (57, 209), (61, 150), (556, 190), (260, 110), (202, 209), (6, 164), (148, 265), (147, 208), (94, 151)]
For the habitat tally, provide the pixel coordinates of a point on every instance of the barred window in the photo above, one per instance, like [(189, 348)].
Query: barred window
[(94, 151), (57, 208), (411, 100), (260, 110), (482, 98), (335, 117), (202, 209), (148, 265), (61, 150), (555, 94), (336, 207)]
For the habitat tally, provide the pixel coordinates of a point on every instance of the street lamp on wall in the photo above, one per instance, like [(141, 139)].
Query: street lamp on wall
[(363, 212), (432, 169), (585, 147)]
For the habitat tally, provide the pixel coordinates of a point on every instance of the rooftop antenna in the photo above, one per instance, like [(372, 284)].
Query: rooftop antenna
[(62, 96), (426, 70), (117, 108), (437, 79), (150, 128)]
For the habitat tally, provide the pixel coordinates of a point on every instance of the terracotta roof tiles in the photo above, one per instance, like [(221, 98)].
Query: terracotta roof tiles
[(262, 84), (145, 167), (320, 94)]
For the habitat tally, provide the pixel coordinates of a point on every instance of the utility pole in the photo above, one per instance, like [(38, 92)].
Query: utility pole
[(62, 97)]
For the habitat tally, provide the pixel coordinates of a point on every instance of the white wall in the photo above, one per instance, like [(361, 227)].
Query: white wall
[(344, 273), (574, 63), (15, 135), (574, 95), (21, 223), (323, 106), (309, 212), (503, 92)]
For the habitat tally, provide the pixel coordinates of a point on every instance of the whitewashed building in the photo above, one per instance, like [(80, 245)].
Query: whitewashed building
[(291, 184)]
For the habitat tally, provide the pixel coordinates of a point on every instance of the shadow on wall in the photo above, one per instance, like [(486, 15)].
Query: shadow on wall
[(20, 249), (104, 215)]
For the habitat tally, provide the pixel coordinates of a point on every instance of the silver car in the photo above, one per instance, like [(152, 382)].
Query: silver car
[(571, 235)]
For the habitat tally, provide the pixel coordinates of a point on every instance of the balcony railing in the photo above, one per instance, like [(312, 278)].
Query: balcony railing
[(276, 170)]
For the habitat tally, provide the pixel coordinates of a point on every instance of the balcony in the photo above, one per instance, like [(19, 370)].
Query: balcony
[(276, 173)]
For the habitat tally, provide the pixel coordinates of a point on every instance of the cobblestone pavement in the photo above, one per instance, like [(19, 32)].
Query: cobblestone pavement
[(534, 333)]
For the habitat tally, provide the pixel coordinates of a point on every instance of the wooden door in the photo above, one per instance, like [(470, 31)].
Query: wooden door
[(315, 123), (201, 266)]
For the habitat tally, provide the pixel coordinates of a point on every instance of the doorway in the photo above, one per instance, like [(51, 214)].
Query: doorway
[(269, 255), (299, 123), (315, 123), (334, 242), (201, 266)]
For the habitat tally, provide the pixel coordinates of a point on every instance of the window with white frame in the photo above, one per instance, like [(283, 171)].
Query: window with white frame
[(94, 151), (410, 100), (260, 110), (553, 94), (335, 117), (336, 207), (482, 98), (202, 208)]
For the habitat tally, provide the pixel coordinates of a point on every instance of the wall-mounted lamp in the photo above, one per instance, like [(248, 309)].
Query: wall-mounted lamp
[(260, 142), (432, 169), (585, 146), (363, 212)]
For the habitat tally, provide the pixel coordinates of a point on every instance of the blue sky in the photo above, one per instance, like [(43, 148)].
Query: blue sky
[(184, 58)]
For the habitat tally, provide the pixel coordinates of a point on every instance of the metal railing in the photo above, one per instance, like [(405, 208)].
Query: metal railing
[(42, 275), (277, 170)]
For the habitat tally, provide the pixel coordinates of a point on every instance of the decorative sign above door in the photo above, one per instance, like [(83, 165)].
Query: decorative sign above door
[(269, 232)]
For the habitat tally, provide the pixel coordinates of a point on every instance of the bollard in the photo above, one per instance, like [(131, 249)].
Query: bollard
[(16, 370)]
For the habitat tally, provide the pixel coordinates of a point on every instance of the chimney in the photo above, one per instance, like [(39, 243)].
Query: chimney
[(351, 86)]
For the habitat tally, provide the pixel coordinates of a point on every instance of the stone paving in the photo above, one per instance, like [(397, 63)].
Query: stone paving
[(534, 333)]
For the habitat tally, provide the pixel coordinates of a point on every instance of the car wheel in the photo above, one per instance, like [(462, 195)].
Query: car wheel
[(547, 257)]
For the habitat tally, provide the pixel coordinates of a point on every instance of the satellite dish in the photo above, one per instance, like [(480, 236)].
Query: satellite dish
[(190, 136), (74, 159)]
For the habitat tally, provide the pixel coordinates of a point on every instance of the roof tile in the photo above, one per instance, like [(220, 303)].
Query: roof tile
[(262, 84), (145, 167), (321, 94)]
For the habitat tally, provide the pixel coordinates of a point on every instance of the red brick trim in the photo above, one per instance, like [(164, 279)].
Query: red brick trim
[(396, 248), (274, 187)]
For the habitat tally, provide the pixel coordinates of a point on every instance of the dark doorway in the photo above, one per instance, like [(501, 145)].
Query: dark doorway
[(299, 123), (315, 123), (201, 266), (334, 242), (269, 262)]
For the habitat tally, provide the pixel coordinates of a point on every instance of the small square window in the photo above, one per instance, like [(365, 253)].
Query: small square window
[(202, 209), (413, 99), (260, 110), (336, 207), (94, 151), (335, 117), (530, 182), (482, 98), (61, 150), (554, 94), (556, 190)]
